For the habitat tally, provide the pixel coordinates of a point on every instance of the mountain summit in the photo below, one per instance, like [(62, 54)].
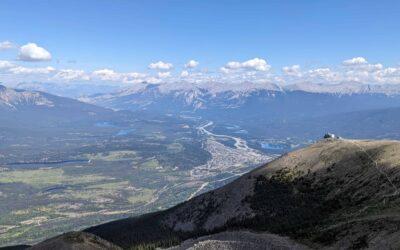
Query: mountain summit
[(12, 98)]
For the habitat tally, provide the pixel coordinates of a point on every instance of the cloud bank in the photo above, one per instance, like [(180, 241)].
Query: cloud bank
[(257, 69)]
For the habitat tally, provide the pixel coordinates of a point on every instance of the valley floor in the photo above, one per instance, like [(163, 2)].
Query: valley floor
[(116, 176)]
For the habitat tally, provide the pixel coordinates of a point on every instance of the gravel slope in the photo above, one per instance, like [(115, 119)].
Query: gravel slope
[(236, 240)]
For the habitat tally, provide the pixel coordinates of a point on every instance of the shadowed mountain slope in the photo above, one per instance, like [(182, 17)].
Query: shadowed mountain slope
[(333, 194)]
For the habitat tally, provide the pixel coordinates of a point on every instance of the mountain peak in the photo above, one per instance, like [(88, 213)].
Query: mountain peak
[(13, 99)]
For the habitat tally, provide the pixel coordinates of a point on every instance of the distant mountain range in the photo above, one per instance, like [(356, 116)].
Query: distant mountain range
[(19, 108), (65, 89), (335, 194), (251, 100), (304, 111)]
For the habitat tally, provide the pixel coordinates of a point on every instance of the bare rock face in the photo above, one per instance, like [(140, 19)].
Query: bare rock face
[(240, 240), (12, 99), (75, 241)]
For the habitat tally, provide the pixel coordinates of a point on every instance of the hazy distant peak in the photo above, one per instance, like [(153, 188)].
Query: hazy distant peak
[(214, 88), (345, 88), (13, 98)]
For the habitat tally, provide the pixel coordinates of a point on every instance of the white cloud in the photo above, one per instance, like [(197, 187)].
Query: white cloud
[(151, 79), (191, 64), (255, 64), (133, 77), (360, 70), (356, 75), (233, 65), (388, 75), (361, 64), (355, 61), (225, 70), (322, 74), (389, 72), (32, 52), (371, 67), (19, 70), (294, 70), (135, 74), (251, 71), (107, 75), (164, 74), (7, 45), (161, 66), (71, 75), (185, 73), (6, 64), (129, 77)]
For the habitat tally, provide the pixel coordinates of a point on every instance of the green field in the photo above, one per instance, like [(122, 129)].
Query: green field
[(46, 177)]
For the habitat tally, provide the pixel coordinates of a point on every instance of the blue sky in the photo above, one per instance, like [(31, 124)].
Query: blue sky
[(126, 36)]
